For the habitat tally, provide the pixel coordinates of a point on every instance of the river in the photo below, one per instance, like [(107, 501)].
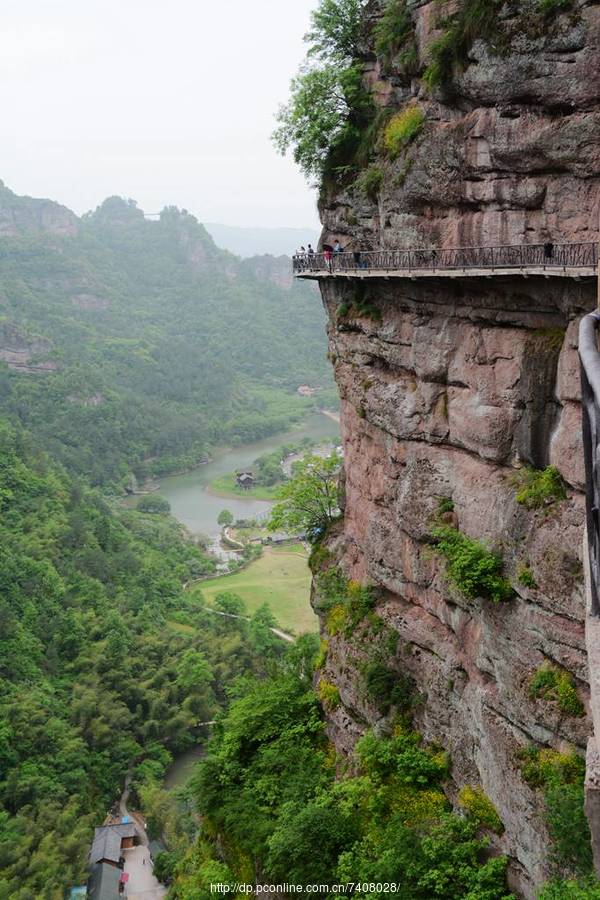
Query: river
[(197, 509), (182, 768)]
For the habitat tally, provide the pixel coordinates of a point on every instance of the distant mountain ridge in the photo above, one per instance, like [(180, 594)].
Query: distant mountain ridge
[(125, 340)]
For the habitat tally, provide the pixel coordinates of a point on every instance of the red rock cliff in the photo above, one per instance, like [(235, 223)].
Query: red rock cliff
[(448, 387)]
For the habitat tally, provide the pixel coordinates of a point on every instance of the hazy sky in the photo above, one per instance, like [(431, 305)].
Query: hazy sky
[(166, 101)]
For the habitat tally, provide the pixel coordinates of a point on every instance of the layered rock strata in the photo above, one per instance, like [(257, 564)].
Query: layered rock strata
[(450, 387), (448, 395)]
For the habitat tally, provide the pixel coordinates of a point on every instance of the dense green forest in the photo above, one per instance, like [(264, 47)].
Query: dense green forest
[(274, 810), (105, 664), (136, 345)]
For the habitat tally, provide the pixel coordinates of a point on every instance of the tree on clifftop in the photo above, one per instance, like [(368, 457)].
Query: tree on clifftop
[(309, 501), (328, 107)]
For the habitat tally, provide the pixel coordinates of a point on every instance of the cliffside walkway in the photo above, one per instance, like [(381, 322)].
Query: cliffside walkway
[(576, 260)]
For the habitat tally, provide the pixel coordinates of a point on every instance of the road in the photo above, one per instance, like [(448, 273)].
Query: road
[(142, 884)]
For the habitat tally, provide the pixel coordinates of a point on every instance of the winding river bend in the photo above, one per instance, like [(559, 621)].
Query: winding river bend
[(197, 509)]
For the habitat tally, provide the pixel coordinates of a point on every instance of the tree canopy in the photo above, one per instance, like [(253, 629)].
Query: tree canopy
[(106, 665), (153, 345), (308, 502), (328, 107)]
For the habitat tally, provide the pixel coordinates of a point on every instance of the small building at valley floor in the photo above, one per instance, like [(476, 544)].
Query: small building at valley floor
[(107, 880), (104, 882), (245, 480)]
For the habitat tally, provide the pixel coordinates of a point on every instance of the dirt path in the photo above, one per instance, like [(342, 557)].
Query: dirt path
[(331, 415), (277, 631)]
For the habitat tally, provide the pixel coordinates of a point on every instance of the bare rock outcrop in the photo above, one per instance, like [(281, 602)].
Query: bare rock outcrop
[(26, 215)]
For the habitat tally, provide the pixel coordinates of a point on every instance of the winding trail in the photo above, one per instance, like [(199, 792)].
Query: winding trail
[(277, 631), (334, 416)]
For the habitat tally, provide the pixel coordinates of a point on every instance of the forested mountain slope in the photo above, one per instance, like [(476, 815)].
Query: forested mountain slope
[(105, 665), (124, 339)]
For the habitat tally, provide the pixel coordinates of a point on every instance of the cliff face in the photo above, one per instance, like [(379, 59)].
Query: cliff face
[(509, 152), (450, 387), (20, 215)]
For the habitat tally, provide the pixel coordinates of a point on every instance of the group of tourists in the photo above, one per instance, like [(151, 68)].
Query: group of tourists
[(304, 258)]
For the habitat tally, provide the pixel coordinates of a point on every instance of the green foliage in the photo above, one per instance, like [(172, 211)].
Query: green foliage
[(569, 827), (308, 502), (329, 108), (321, 657), (543, 767), (474, 19), (561, 777), (336, 30), (94, 679), (324, 118), (347, 602), (475, 570), (272, 807), (539, 488), (231, 604), (358, 306), (551, 7), (154, 503), (480, 808), (402, 129), (445, 505), (225, 518), (319, 557), (329, 694), (526, 577), (395, 33), (166, 346), (369, 182), (164, 866), (387, 688), (586, 889), (553, 683)]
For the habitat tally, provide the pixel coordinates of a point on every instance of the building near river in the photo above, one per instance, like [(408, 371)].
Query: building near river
[(245, 480)]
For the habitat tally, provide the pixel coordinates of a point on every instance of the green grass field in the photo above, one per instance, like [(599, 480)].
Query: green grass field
[(227, 486), (281, 578)]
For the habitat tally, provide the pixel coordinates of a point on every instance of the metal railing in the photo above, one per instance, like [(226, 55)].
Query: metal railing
[(522, 256), (590, 395)]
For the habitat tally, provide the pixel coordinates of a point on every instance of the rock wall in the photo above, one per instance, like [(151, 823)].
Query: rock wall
[(20, 215), (445, 396), (509, 151), (449, 387)]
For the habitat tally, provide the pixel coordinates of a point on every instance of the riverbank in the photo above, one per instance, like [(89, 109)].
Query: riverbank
[(197, 508), (226, 486)]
